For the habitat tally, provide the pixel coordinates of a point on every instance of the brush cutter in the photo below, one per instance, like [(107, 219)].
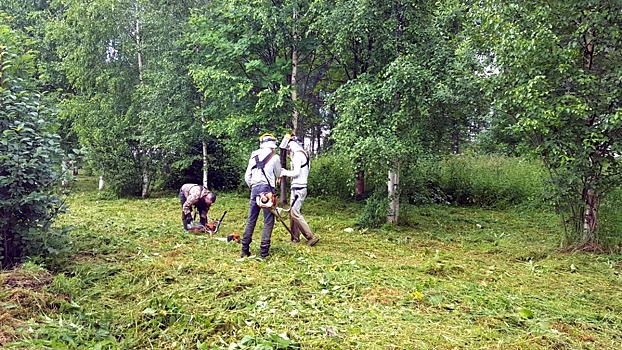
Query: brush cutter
[(210, 227), (277, 213)]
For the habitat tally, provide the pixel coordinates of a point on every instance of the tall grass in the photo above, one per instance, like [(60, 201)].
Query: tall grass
[(485, 181)]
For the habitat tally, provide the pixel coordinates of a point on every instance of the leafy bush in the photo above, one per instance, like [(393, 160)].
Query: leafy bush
[(31, 157), (420, 183), (331, 175), (374, 214)]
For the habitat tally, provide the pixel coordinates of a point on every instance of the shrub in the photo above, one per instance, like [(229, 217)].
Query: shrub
[(31, 156), (374, 214), (331, 175)]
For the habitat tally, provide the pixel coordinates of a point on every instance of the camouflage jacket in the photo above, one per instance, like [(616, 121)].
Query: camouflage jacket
[(194, 196)]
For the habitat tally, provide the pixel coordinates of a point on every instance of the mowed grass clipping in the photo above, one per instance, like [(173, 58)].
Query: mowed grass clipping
[(456, 278)]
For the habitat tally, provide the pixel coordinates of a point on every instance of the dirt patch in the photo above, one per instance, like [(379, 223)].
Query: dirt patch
[(383, 296), (22, 294)]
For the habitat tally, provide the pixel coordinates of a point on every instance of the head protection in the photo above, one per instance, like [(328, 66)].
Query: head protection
[(267, 141), (290, 142)]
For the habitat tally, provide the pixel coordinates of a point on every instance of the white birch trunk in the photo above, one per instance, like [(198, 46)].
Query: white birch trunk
[(65, 169), (204, 164), (146, 182), (394, 205), (139, 55), (294, 72)]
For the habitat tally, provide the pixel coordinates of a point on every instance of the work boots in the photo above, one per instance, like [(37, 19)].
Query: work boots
[(313, 241)]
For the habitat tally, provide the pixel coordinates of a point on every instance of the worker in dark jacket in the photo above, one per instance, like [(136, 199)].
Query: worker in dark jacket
[(195, 195)]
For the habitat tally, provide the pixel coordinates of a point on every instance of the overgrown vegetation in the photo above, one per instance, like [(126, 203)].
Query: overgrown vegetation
[(450, 277), (30, 158)]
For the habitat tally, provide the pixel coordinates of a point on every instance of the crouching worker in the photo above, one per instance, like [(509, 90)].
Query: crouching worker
[(299, 174), (195, 195), (264, 167)]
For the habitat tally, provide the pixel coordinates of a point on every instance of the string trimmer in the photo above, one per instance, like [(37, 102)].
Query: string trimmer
[(211, 226), (277, 213)]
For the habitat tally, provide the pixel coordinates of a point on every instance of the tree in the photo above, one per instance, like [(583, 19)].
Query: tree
[(133, 107), (420, 95), (250, 60), (558, 83), (30, 155)]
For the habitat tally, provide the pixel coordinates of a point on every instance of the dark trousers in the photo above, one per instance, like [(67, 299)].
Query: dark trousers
[(251, 221)]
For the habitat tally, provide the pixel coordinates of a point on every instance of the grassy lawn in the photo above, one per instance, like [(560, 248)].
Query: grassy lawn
[(455, 278)]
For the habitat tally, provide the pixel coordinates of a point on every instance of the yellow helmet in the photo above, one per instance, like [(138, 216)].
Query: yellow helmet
[(267, 141)]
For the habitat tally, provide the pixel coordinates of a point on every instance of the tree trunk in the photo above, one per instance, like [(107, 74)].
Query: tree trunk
[(590, 218), (146, 182), (295, 114), (394, 197), (283, 188), (139, 56), (455, 141), (294, 71), (1, 68), (359, 188), (204, 150), (139, 59)]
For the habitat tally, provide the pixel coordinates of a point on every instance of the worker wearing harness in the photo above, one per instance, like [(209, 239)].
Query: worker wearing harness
[(200, 197), (299, 174), (264, 167)]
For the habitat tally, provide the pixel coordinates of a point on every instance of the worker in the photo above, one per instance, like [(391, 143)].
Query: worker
[(262, 171), (198, 196), (299, 159)]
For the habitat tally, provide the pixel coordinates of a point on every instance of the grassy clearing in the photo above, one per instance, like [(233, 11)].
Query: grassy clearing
[(453, 278)]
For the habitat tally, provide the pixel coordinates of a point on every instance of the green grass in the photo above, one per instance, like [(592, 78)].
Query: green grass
[(450, 278)]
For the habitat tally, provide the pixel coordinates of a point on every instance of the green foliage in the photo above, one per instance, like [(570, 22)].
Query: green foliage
[(374, 213), (330, 176), (492, 181), (31, 156), (132, 105), (242, 68), (610, 231), (555, 68)]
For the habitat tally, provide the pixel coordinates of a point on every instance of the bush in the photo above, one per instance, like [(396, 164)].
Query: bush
[(31, 156), (375, 212), (331, 175)]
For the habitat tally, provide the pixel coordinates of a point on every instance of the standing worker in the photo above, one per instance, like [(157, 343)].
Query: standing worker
[(299, 174), (264, 167), (198, 196)]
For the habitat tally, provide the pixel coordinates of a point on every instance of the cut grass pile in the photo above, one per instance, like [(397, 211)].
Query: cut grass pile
[(455, 279)]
